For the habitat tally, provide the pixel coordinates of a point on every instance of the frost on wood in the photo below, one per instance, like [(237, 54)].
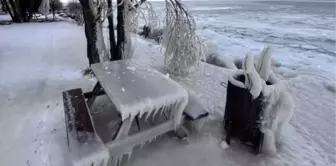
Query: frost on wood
[(233, 80), (142, 99), (149, 94), (44, 7), (183, 48)]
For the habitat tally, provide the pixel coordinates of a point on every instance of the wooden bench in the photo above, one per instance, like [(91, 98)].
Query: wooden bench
[(83, 142), (77, 116), (195, 109), (195, 112)]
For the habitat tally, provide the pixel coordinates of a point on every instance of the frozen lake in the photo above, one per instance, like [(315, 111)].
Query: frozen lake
[(303, 37)]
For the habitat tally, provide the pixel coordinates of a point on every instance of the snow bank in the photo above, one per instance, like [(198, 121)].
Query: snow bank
[(213, 56)]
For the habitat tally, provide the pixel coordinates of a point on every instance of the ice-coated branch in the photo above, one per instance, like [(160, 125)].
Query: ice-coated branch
[(183, 48)]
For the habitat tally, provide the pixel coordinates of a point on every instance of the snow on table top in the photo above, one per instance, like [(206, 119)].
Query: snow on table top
[(137, 88)]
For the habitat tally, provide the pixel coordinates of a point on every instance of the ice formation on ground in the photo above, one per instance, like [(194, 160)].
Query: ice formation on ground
[(276, 114)]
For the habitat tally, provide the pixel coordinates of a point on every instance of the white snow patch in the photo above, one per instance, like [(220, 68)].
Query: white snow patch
[(224, 145), (131, 68)]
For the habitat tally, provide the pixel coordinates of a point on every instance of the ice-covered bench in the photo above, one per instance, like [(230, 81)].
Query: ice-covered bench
[(195, 109)]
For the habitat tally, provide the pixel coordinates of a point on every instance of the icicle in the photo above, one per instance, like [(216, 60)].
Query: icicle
[(129, 154), (141, 113), (162, 111), (141, 145), (148, 114), (156, 110)]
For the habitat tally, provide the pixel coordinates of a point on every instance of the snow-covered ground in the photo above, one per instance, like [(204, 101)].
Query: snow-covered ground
[(40, 60)]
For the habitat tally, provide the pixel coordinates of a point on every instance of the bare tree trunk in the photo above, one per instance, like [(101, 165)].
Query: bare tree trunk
[(120, 29), (90, 30), (113, 47), (14, 7), (6, 6), (53, 8)]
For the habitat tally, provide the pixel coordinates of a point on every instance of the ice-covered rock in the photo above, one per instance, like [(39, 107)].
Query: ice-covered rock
[(221, 61), (209, 49)]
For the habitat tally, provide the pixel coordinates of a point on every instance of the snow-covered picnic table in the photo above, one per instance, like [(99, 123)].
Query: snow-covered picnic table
[(136, 89)]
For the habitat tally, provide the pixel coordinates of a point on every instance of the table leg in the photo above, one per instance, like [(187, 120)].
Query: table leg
[(181, 132), (121, 134), (123, 129), (95, 92)]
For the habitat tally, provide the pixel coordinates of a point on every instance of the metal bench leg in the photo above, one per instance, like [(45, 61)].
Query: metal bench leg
[(96, 91), (181, 131), (121, 134)]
